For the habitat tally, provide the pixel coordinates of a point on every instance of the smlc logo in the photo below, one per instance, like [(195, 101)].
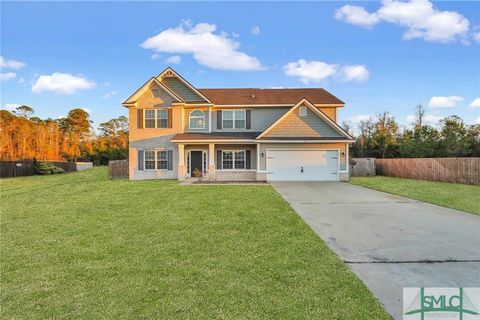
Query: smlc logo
[(441, 303)]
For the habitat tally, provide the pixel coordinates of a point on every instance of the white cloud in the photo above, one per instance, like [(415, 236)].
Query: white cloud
[(428, 119), (87, 110), (13, 64), (357, 15), (174, 59), (477, 121), (21, 80), (317, 71), (214, 50), (255, 30), (475, 103), (419, 17), (155, 56), (310, 71), (61, 83), (10, 106), (110, 94), (7, 76), (444, 102), (354, 73)]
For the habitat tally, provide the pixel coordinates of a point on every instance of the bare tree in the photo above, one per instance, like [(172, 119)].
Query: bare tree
[(419, 116)]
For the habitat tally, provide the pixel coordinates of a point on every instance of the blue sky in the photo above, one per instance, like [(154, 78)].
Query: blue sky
[(374, 56)]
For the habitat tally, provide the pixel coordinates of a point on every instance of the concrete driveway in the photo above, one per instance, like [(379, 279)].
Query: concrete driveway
[(389, 241)]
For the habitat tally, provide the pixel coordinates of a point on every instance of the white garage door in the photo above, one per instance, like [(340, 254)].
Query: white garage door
[(302, 165)]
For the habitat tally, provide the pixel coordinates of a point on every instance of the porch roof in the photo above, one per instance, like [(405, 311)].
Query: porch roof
[(305, 138), (215, 136)]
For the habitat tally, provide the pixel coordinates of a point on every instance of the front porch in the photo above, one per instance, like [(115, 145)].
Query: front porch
[(217, 161)]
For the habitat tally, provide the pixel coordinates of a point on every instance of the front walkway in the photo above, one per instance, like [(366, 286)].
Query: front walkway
[(390, 242)]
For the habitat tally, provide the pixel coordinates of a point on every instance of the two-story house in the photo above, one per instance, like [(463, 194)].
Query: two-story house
[(178, 132)]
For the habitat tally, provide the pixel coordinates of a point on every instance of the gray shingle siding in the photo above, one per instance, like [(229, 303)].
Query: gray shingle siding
[(309, 126), (181, 89)]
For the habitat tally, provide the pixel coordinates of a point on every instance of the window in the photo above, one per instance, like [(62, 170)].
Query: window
[(156, 118), (149, 160), (197, 119), (162, 161), (233, 160), (162, 118), (150, 118), (227, 159), (233, 119), (303, 111), (227, 119), (239, 119), (240, 159), (156, 159)]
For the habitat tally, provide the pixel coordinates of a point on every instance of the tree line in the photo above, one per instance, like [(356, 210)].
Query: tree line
[(72, 138), (382, 137)]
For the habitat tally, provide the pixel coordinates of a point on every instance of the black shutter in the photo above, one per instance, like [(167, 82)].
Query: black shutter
[(248, 114), (247, 159), (140, 118), (170, 159), (169, 118), (140, 159), (219, 119), (219, 159)]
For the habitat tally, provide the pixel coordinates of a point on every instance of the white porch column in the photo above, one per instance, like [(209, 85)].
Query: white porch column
[(181, 161), (211, 161)]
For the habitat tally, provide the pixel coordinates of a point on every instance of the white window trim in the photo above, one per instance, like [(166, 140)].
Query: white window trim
[(196, 117), (156, 118), (233, 119), (233, 161), (156, 160)]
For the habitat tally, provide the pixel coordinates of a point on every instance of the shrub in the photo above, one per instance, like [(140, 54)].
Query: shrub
[(47, 168)]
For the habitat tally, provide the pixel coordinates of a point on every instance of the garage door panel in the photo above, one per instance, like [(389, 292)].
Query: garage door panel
[(302, 165)]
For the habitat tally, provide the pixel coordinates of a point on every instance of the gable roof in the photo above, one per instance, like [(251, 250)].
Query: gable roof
[(133, 98), (319, 113), (255, 96), (170, 73)]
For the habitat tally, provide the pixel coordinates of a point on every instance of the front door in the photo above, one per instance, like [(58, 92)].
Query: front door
[(195, 162)]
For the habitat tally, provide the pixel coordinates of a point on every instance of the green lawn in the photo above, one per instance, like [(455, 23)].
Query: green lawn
[(81, 246), (452, 195)]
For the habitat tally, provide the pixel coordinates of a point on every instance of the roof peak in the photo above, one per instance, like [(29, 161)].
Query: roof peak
[(299, 88)]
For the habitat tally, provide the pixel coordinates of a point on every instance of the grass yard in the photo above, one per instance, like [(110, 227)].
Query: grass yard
[(451, 195), (81, 246)]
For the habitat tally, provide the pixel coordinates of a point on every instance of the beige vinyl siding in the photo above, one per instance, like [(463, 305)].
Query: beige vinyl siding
[(330, 112), (296, 126), (180, 89)]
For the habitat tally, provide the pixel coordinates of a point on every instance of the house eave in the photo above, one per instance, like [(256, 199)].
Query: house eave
[(223, 141), (304, 141)]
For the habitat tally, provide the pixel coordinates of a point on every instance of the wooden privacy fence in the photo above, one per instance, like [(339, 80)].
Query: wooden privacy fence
[(118, 169), (362, 167), (457, 170), (22, 168)]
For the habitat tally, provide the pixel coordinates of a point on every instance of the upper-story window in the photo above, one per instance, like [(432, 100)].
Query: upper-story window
[(233, 119), (197, 119), (156, 118)]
